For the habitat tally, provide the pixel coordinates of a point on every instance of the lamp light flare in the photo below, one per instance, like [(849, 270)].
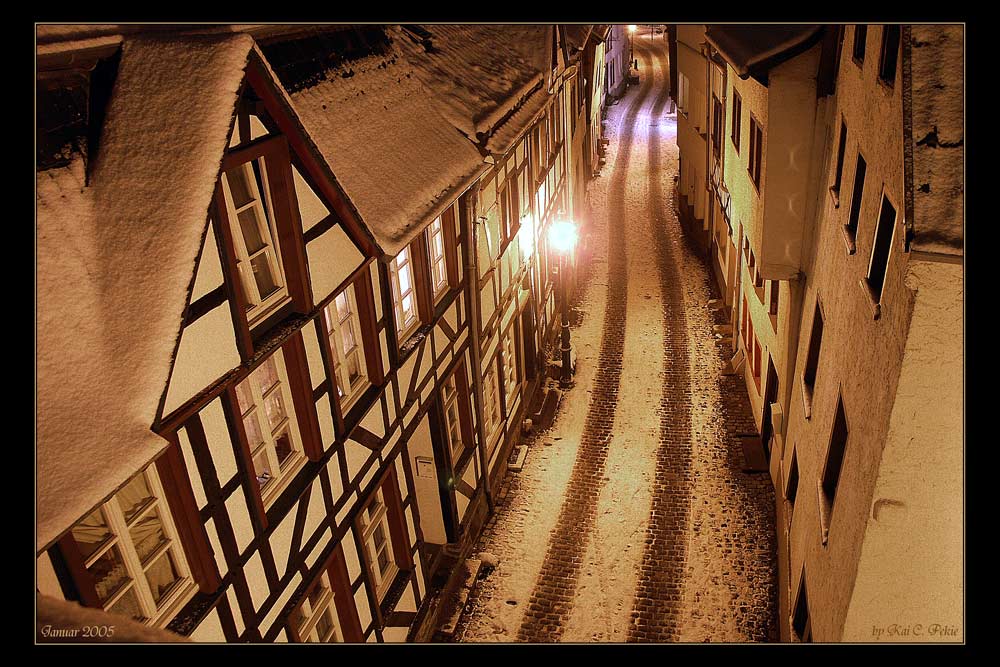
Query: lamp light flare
[(632, 28), (563, 235)]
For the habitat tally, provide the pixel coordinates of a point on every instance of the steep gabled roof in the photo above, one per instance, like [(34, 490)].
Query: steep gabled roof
[(106, 323), (752, 50), (479, 75), (397, 159)]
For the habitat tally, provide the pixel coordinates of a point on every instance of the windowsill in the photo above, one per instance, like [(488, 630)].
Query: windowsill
[(774, 321), (849, 239), (859, 62), (270, 496), (411, 339), (756, 187), (887, 87), (807, 398), (835, 196), (394, 593), (183, 592), (825, 510), (876, 307)]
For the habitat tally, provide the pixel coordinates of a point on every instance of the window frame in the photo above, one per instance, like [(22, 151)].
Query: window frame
[(459, 400), (891, 32), (341, 600), (815, 348), (755, 159), (829, 478), (394, 528), (403, 329), (858, 54), (857, 198), (286, 237), (163, 502), (438, 262), (736, 125), (881, 240), (492, 404), (363, 345)]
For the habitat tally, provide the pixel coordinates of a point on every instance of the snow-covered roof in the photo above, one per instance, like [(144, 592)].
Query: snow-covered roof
[(753, 49), (106, 323), (394, 154), (576, 35), (478, 74)]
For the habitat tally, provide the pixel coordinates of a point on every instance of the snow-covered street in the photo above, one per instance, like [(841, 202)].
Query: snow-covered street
[(631, 519)]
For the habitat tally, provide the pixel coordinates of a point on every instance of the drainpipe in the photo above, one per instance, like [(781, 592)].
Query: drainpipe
[(710, 210), (471, 249)]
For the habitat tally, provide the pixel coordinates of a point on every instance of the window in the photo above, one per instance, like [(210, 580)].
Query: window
[(860, 37), (800, 620), (840, 158), (792, 482), (452, 415), (404, 297), (831, 471), (812, 359), (737, 119), (856, 194), (756, 151), (315, 619), (491, 402), (756, 364), (775, 288), (265, 404), (508, 360), (129, 554), (436, 251), (880, 251), (682, 93), (510, 212), (255, 238), (716, 126), (889, 54), (347, 352), (379, 524)]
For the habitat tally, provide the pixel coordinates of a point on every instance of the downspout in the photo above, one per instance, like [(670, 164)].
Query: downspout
[(471, 250), (710, 210)]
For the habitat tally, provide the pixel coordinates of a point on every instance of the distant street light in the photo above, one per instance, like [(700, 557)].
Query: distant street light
[(631, 45), (562, 237)]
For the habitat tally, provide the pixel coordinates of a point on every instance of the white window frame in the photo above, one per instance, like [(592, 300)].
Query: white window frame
[(337, 325), (406, 319), (369, 528), (453, 414), (307, 629), (156, 614), (508, 358), (280, 473), (258, 306), (492, 416), (437, 250)]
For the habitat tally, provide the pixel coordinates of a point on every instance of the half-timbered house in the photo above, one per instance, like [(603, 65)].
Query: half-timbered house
[(265, 244)]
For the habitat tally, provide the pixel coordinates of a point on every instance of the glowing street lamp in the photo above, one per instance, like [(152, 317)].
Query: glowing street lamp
[(562, 237)]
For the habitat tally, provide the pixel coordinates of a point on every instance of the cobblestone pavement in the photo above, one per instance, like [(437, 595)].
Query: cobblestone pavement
[(644, 450)]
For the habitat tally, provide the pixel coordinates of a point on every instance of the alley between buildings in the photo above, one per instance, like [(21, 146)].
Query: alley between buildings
[(631, 519)]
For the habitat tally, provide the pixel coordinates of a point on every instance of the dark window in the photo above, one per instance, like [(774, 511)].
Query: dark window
[(792, 486), (860, 37), (840, 156), (880, 251), (890, 52), (737, 115), (774, 298), (835, 455), (859, 187), (716, 126), (812, 358), (756, 151), (800, 622)]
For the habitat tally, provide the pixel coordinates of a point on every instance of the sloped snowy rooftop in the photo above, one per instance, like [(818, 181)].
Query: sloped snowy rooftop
[(479, 74), (394, 154), (107, 324), (753, 49)]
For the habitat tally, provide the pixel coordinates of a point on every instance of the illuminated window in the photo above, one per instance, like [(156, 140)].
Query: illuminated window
[(255, 238), (453, 413), (346, 346), (439, 265), (133, 559), (509, 361), (404, 298), (265, 405)]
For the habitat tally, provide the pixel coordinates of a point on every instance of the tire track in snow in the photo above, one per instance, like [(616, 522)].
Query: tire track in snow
[(655, 611), (552, 597)]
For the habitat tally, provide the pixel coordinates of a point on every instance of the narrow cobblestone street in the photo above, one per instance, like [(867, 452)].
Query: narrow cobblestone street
[(631, 519)]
